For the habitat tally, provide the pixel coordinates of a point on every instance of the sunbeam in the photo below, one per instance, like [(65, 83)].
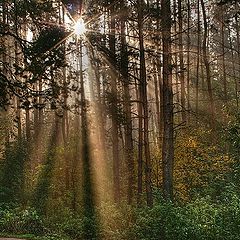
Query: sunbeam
[(80, 28)]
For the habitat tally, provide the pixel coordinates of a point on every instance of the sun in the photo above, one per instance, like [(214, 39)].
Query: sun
[(79, 28)]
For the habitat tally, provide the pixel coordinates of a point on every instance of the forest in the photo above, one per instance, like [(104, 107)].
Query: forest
[(120, 120)]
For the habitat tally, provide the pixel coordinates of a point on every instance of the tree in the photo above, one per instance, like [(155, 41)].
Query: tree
[(144, 99), (207, 64), (168, 145)]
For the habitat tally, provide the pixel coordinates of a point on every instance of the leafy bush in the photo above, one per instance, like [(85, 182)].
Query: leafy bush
[(12, 172), (79, 228), (20, 221), (163, 221), (116, 221), (199, 220)]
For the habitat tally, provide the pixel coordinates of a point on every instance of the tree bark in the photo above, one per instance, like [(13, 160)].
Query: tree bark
[(181, 77), (144, 100), (127, 104), (168, 143), (198, 57), (114, 111), (207, 64), (223, 56)]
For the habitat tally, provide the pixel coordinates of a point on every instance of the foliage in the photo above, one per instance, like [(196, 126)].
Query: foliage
[(20, 221), (201, 164), (116, 221), (233, 137), (38, 56), (201, 219), (75, 228), (34, 9), (12, 172)]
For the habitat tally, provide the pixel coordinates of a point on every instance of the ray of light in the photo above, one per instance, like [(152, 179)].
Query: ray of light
[(29, 36), (80, 28)]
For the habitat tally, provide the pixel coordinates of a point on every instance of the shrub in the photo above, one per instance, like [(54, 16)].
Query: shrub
[(117, 221), (199, 220), (80, 228), (20, 221), (163, 221)]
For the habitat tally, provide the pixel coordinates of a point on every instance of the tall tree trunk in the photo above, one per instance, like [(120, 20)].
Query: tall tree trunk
[(28, 130), (65, 125), (207, 63), (223, 56), (238, 42), (127, 104), (4, 59), (198, 57), (234, 68), (188, 58), (178, 89), (157, 91), (114, 110), (181, 77), (144, 99), (17, 63), (168, 141), (160, 83), (140, 147)]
